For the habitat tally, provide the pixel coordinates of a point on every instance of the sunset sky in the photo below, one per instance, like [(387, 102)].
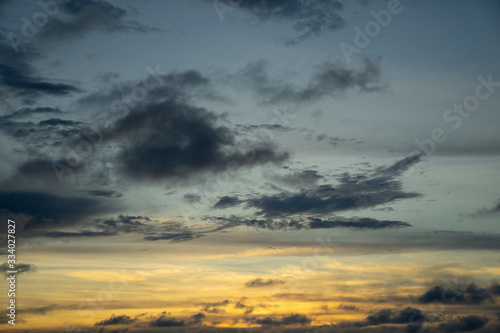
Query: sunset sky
[(251, 165)]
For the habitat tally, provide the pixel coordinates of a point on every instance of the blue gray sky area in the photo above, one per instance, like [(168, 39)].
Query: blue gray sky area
[(227, 126)]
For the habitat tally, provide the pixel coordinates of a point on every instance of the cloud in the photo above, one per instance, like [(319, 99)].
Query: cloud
[(75, 18), (173, 237), (179, 141), (241, 305), (301, 178), (259, 282), (41, 169), (149, 229), (216, 307), (460, 294), (28, 112), (405, 316), (192, 198), (198, 318), (79, 17), (42, 310), (80, 233), (48, 210), (226, 202), (354, 223), (495, 288), (292, 319), (20, 79), (464, 324), (116, 320), (308, 18), (413, 318), (102, 193), (40, 140), (20, 268), (348, 307), (164, 321), (57, 121), (328, 80), (353, 192), (158, 86), (24, 83), (487, 212)]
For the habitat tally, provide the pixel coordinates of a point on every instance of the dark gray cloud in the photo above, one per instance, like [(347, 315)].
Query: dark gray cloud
[(102, 193), (308, 18), (259, 282), (460, 294), (413, 318), (495, 288), (79, 17), (20, 79), (355, 223), (405, 316), (24, 83), (165, 320), (158, 86), (353, 192), (292, 319), (49, 210), (150, 230), (39, 140), (20, 268), (464, 324), (28, 112), (116, 320), (328, 80), (227, 201), (179, 141), (174, 237), (40, 169), (58, 121)]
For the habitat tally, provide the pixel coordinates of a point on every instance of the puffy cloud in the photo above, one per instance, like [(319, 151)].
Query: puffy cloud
[(116, 320), (464, 324)]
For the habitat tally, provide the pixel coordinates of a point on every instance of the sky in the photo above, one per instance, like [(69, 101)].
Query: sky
[(251, 165)]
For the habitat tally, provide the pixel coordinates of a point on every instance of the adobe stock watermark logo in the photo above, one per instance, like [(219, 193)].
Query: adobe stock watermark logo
[(454, 116), (372, 29), (31, 27)]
